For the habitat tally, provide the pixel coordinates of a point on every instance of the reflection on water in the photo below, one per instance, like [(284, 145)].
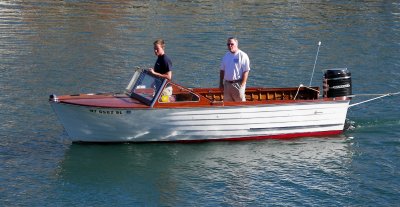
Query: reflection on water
[(241, 173)]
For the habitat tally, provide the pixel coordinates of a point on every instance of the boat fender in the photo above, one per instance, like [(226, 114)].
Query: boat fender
[(164, 98)]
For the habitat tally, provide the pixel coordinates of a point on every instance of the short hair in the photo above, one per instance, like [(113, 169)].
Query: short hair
[(234, 39), (159, 42)]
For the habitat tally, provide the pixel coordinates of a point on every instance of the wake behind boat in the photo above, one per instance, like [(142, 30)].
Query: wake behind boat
[(146, 113)]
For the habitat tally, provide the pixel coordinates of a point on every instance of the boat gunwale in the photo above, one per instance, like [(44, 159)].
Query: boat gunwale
[(212, 104)]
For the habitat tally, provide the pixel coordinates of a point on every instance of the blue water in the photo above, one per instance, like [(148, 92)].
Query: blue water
[(77, 46)]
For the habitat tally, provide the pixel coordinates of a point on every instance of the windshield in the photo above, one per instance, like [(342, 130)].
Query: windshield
[(144, 86)]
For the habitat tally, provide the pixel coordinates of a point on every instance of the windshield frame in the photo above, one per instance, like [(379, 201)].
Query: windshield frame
[(145, 87)]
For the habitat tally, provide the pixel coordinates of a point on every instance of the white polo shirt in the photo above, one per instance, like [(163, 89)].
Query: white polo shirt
[(235, 65)]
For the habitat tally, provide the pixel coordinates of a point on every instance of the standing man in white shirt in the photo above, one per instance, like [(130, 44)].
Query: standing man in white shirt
[(235, 68)]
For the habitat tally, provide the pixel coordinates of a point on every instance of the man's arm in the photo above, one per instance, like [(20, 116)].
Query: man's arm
[(244, 79), (221, 79), (167, 75)]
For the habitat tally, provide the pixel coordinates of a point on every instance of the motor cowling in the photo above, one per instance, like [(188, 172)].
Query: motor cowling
[(337, 83)]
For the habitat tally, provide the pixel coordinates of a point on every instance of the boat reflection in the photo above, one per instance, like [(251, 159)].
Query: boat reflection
[(171, 174)]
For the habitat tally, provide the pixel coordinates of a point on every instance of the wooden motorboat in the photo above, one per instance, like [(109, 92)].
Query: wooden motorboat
[(145, 112)]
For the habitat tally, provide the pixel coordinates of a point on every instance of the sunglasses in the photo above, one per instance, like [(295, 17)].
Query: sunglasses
[(229, 44)]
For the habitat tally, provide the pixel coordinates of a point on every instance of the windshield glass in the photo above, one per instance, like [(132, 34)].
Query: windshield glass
[(146, 86)]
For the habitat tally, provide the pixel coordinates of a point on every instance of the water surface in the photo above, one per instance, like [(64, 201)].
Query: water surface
[(66, 47)]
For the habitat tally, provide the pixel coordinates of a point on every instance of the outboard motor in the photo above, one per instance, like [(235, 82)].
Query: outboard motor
[(337, 83)]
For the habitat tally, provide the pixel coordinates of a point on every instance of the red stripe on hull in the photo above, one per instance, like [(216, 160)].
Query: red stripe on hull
[(278, 136)]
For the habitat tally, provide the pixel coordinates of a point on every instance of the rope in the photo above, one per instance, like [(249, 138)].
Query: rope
[(297, 93), (300, 86), (372, 94), (379, 97)]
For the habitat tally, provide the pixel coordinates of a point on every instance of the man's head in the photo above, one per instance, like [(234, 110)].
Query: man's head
[(232, 44), (159, 47)]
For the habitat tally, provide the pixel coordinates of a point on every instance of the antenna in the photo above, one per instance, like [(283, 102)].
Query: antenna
[(315, 62)]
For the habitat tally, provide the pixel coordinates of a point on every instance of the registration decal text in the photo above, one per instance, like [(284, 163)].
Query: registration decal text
[(110, 112)]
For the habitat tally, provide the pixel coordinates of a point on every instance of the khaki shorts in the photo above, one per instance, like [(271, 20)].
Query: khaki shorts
[(167, 91)]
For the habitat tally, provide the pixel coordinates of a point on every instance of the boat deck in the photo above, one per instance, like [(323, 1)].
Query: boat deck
[(186, 98), (265, 94)]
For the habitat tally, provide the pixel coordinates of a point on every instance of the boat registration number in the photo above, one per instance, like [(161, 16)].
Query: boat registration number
[(110, 112)]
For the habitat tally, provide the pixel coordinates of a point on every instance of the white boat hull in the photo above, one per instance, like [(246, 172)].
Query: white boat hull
[(289, 120)]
